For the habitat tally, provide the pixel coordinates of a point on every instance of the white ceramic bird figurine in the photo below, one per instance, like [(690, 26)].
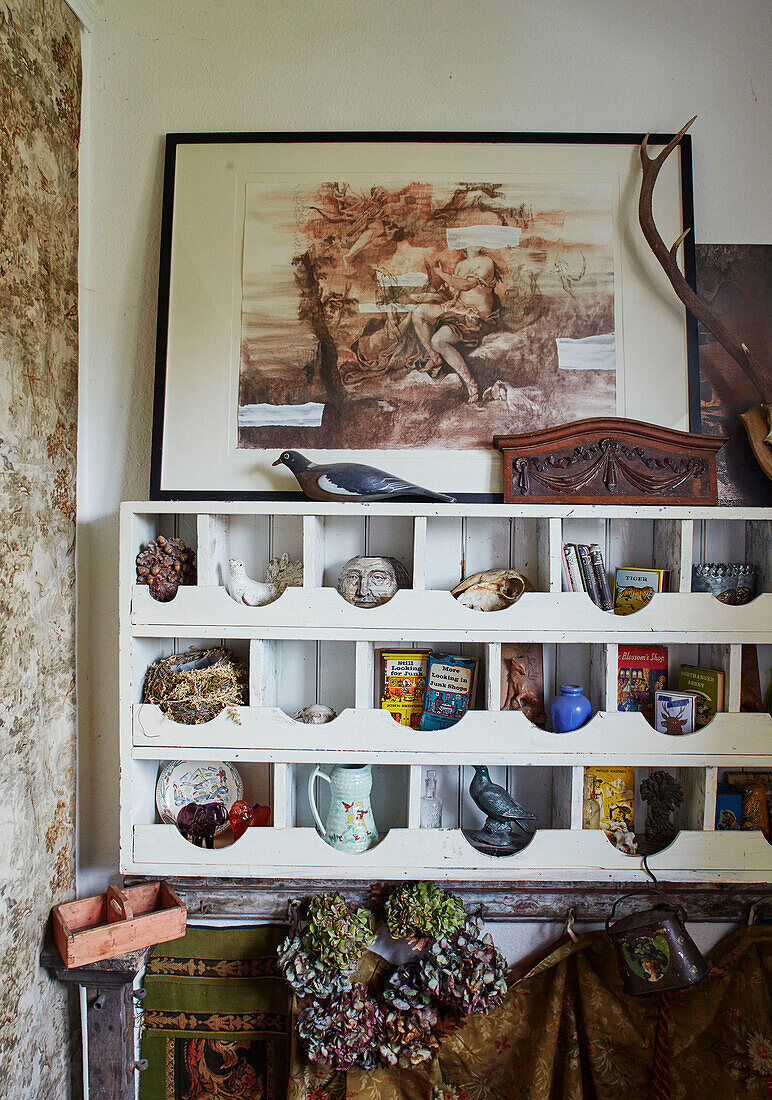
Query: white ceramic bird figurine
[(244, 589)]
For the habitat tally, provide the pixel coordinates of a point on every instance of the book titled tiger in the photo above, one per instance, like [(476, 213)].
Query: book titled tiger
[(708, 684), (641, 670), (403, 684), (634, 588), (451, 684)]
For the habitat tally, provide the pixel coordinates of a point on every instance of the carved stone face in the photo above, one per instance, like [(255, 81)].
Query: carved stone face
[(369, 582)]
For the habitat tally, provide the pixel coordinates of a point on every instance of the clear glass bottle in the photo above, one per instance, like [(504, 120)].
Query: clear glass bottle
[(591, 806), (431, 803)]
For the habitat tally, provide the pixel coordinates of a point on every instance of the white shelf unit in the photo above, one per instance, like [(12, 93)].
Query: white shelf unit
[(311, 646)]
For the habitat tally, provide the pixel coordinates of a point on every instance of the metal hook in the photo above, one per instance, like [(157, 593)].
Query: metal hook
[(569, 929), (766, 900), (651, 888), (293, 914)]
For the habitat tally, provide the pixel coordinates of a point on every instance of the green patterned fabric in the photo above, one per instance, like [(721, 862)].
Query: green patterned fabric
[(216, 1017), (567, 1032)]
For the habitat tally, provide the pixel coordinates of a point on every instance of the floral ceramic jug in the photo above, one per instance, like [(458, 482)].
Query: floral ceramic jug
[(350, 824)]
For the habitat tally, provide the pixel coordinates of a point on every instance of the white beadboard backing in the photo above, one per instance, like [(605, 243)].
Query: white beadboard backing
[(311, 646)]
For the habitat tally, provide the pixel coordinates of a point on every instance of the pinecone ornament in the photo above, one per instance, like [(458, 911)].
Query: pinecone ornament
[(465, 971), (307, 975), (337, 933), (164, 565), (423, 910), (344, 1032)]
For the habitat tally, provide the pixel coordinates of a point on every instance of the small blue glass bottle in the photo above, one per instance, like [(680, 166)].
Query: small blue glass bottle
[(570, 709)]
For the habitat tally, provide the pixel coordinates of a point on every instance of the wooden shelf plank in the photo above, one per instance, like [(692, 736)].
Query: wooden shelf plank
[(494, 737), (557, 616), (445, 853), (494, 510)]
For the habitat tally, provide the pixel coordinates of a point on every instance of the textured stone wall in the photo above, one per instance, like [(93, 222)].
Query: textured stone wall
[(39, 120)]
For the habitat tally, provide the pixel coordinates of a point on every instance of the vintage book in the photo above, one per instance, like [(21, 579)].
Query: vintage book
[(633, 588), (728, 806), (403, 684), (599, 569), (708, 683), (674, 711), (451, 684), (522, 680), (614, 791), (588, 574), (641, 670), (572, 566), (568, 584)]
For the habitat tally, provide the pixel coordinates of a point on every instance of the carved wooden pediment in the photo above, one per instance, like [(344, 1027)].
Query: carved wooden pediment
[(610, 458)]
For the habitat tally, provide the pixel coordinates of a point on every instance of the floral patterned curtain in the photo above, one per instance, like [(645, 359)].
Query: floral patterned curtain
[(567, 1032)]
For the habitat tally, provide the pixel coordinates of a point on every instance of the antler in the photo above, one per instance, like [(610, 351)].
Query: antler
[(667, 258)]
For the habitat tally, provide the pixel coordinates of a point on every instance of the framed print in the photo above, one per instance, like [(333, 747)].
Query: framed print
[(399, 300), (737, 280)]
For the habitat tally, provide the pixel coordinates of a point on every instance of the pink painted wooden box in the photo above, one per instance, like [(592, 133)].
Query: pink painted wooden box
[(117, 921)]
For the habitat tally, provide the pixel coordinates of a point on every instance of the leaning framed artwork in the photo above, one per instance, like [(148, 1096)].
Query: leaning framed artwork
[(401, 300)]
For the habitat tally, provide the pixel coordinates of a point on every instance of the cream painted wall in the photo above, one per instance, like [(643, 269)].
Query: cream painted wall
[(186, 65)]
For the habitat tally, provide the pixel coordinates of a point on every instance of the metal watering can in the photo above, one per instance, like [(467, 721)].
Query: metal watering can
[(655, 953)]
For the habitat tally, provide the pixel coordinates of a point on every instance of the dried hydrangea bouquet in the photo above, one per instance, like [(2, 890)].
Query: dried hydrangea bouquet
[(344, 1023)]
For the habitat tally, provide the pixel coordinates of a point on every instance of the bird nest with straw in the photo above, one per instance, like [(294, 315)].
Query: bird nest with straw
[(196, 686)]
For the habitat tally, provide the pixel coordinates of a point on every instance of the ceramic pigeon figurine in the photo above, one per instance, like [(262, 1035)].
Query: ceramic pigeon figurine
[(243, 589), (350, 481), (503, 812)]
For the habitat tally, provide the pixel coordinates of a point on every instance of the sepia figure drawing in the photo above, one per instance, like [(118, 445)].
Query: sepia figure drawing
[(447, 325), (426, 313)]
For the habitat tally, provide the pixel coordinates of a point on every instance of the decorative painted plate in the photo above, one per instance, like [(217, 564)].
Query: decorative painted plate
[(183, 781)]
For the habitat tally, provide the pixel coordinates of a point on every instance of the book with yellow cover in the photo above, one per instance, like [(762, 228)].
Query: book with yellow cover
[(634, 588), (614, 791), (403, 684)]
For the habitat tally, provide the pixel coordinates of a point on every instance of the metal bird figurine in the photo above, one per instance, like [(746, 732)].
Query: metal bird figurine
[(503, 813), (351, 481)]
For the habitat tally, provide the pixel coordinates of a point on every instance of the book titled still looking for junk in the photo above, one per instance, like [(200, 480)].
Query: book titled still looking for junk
[(403, 684)]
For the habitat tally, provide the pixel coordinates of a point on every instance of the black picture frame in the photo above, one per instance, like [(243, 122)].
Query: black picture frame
[(174, 141)]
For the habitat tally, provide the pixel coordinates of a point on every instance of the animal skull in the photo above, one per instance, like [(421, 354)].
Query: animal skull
[(492, 590), (315, 715)]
